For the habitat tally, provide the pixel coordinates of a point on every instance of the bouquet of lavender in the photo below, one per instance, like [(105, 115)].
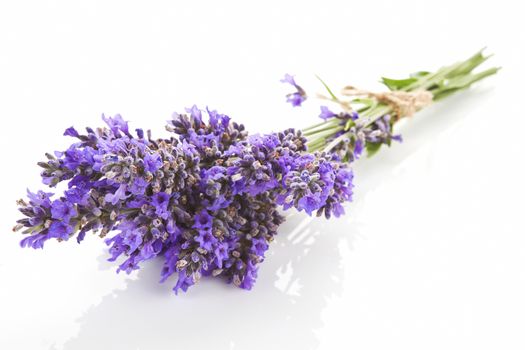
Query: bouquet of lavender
[(207, 198)]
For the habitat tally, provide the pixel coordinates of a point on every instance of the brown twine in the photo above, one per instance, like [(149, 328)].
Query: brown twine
[(403, 103)]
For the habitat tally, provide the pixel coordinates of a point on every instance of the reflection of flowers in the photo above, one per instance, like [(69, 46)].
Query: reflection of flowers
[(307, 251)]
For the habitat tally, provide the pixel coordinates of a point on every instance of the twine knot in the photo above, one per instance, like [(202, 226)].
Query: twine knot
[(403, 103)]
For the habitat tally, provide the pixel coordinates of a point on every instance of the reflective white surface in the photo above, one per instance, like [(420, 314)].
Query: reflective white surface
[(430, 256)]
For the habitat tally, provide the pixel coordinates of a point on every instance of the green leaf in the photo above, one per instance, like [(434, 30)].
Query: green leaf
[(397, 84), (372, 148), (419, 74), (327, 89), (447, 87), (468, 65)]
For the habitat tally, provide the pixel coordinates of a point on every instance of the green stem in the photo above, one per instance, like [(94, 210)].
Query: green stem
[(313, 131), (326, 133), (442, 83), (315, 126), (334, 142)]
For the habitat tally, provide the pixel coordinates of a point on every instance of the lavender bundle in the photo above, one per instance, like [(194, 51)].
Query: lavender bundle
[(207, 198)]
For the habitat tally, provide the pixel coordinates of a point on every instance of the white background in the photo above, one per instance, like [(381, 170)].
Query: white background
[(432, 252)]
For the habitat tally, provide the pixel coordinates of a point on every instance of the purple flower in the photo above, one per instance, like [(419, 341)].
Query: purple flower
[(397, 138), (288, 79), (326, 113), (132, 238), (77, 195), (203, 220), (195, 113), (150, 249), (119, 195), (140, 133), (360, 134), (138, 186), (40, 198), (76, 157), (309, 203), (152, 162), (259, 246), (71, 132), (205, 239), (184, 282), (221, 253), (218, 121), (59, 229), (295, 98), (250, 276), (116, 124), (62, 210), (358, 147), (161, 201), (35, 241)]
